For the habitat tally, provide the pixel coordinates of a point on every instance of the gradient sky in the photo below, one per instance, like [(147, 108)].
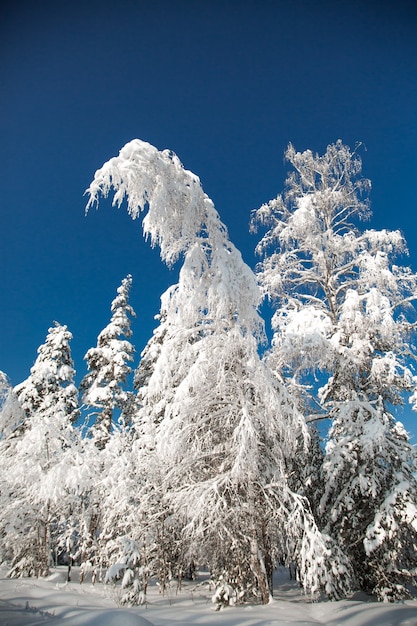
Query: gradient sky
[(226, 85)]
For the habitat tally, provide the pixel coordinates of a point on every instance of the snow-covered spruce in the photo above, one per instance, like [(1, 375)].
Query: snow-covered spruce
[(36, 487), (11, 414), (103, 504), (103, 386)]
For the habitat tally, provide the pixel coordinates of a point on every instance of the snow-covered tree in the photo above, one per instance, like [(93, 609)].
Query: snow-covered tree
[(36, 483), (11, 428), (370, 496), (110, 507), (103, 387), (11, 415), (304, 470), (345, 313), (221, 424)]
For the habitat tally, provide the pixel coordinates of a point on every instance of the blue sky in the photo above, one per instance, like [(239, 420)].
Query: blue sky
[(226, 85)]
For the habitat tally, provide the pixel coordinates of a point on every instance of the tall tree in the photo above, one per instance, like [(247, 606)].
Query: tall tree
[(11, 415), (11, 429), (104, 390), (103, 387), (345, 311), (222, 425), (36, 482)]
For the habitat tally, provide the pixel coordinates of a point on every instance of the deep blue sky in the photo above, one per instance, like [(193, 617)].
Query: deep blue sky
[(226, 85)]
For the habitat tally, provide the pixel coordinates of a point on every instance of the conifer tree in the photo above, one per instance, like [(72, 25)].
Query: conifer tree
[(11, 430), (11, 415), (36, 484), (103, 387)]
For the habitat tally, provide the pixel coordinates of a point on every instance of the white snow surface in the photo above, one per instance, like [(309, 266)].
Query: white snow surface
[(54, 602)]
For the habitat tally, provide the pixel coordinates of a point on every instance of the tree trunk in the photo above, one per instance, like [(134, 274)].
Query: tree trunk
[(258, 568), (43, 548)]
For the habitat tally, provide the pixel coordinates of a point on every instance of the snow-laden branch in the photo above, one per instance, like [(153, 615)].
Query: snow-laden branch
[(182, 220), (178, 208)]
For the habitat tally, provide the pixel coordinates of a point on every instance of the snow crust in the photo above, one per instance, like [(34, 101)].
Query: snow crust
[(54, 602)]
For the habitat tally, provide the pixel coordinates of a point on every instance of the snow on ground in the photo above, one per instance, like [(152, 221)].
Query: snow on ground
[(54, 602)]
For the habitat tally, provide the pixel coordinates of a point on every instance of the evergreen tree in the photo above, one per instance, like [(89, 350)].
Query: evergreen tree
[(36, 484), (345, 311), (11, 415), (304, 470), (103, 387), (11, 428)]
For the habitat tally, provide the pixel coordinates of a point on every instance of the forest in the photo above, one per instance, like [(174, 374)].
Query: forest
[(228, 446)]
